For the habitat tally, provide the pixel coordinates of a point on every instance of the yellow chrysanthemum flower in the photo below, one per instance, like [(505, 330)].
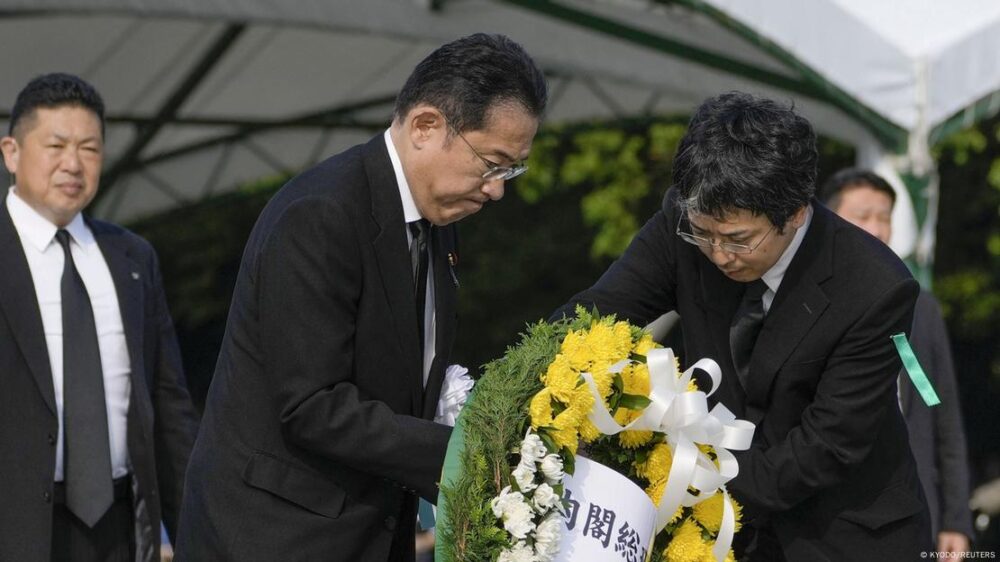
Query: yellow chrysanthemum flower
[(570, 418), (589, 432), (622, 340), (540, 408), (566, 438), (657, 465), (576, 351), (606, 346), (709, 512), (655, 493), (687, 544), (645, 345), (582, 399), (561, 378), (603, 379), (636, 379), (633, 439)]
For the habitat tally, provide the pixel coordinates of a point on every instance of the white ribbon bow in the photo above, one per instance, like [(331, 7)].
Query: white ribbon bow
[(683, 416)]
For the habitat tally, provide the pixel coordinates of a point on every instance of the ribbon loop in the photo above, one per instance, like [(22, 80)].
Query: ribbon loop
[(684, 417)]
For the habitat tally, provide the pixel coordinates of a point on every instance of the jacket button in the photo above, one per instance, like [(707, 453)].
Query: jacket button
[(47, 496), (390, 523), (52, 439)]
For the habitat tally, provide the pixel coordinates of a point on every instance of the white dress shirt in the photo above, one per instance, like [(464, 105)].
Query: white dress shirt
[(45, 260), (773, 277), (411, 214)]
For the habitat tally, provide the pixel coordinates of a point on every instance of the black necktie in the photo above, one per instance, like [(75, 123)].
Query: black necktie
[(419, 257), (745, 327), (87, 459)]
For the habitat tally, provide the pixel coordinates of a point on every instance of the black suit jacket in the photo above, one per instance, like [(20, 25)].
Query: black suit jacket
[(316, 437), (830, 466), (936, 434), (161, 420)]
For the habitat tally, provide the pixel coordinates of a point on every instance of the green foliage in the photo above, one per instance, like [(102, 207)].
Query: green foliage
[(622, 170), (967, 262), (967, 276), (495, 419), (962, 146), (970, 295)]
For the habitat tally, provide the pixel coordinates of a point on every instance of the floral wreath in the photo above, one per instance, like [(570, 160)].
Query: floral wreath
[(605, 386)]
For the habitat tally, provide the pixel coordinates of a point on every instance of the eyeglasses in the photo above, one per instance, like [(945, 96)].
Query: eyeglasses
[(495, 171), (729, 247)]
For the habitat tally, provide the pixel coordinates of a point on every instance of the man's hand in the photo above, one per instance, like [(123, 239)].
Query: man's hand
[(951, 541)]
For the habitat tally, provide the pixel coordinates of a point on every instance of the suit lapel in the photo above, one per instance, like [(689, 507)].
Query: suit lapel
[(720, 297), (796, 307), (392, 255), (20, 306), (445, 305), (127, 277)]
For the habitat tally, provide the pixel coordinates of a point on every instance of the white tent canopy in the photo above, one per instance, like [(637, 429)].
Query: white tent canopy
[(206, 95)]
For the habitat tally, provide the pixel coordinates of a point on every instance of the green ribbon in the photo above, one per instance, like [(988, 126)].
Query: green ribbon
[(916, 372)]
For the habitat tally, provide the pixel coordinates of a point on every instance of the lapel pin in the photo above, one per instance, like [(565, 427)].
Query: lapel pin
[(135, 275)]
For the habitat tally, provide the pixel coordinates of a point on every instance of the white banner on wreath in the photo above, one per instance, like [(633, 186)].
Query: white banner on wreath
[(609, 518)]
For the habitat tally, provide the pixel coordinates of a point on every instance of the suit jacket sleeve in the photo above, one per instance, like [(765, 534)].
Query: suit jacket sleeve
[(309, 280), (856, 391), (951, 455), (175, 422)]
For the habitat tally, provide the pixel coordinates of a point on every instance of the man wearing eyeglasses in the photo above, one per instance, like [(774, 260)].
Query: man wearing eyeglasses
[(797, 307), (317, 436)]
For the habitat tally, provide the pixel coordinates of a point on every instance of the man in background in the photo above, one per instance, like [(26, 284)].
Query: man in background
[(96, 424), (936, 436), (317, 437)]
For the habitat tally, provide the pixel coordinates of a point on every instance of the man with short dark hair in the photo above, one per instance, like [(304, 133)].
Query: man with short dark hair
[(865, 199), (96, 423), (317, 437), (797, 307)]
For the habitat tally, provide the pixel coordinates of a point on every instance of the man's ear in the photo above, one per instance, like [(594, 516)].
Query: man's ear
[(424, 123), (799, 218), (11, 153)]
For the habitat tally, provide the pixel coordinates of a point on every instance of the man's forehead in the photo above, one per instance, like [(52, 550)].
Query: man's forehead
[(732, 219)]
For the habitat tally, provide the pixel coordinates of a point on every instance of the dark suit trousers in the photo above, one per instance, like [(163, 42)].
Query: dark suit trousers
[(111, 540)]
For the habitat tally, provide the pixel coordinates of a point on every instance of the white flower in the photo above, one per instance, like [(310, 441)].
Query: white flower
[(524, 475), (501, 503), (545, 498), (548, 535), (517, 519), (515, 513), (532, 448), (520, 552), (552, 468)]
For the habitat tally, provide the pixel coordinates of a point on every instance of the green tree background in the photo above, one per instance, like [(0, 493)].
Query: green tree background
[(590, 188)]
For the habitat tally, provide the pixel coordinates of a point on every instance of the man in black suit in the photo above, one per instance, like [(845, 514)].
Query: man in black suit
[(317, 437), (96, 424), (866, 200), (797, 307)]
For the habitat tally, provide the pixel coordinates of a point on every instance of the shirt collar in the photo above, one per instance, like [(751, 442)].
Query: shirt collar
[(410, 211), (38, 230), (773, 277)]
